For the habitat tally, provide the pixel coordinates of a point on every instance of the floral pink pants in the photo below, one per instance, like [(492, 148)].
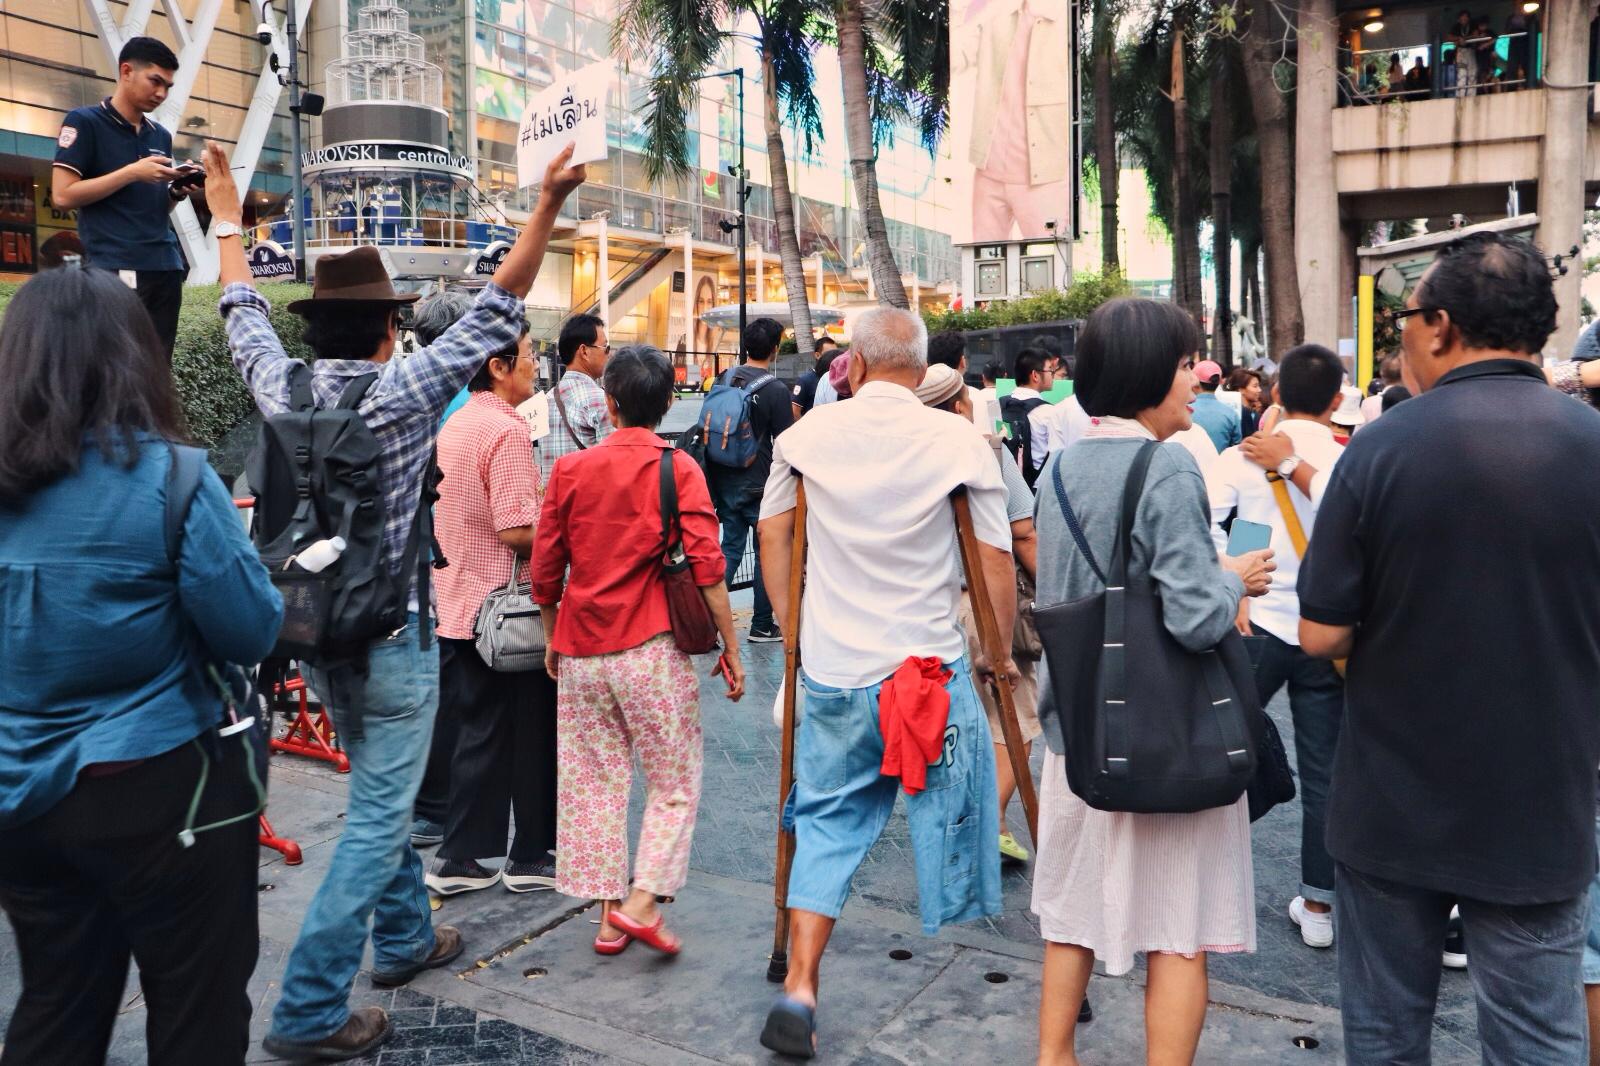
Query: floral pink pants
[(642, 701)]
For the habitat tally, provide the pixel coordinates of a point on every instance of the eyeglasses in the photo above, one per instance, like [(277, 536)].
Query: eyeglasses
[(600, 347), (1399, 317)]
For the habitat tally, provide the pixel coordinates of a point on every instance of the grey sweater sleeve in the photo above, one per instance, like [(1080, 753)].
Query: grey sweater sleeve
[(1199, 599)]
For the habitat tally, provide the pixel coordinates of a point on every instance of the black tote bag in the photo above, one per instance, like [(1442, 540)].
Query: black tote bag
[(1150, 727)]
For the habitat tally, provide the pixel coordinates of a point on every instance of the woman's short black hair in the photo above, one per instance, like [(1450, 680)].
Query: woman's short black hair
[(348, 333), (639, 379), (482, 380), (1497, 290), (74, 378), (1127, 354)]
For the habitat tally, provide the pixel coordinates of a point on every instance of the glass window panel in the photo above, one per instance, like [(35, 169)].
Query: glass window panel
[(592, 38), (501, 12), (511, 53), (550, 23)]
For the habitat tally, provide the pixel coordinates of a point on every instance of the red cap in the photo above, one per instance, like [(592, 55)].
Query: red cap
[(1207, 371)]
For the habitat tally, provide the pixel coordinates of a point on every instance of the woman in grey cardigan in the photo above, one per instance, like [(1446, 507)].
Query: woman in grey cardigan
[(1174, 886)]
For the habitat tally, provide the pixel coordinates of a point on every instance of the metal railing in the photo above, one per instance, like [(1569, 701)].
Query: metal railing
[(389, 229), (1499, 63)]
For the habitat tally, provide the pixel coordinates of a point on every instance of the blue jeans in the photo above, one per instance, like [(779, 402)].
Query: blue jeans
[(384, 720), (1526, 964), (738, 505), (1316, 700), (1591, 943), (842, 803)]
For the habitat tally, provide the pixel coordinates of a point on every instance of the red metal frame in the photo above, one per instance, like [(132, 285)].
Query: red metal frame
[(308, 734), (289, 849)]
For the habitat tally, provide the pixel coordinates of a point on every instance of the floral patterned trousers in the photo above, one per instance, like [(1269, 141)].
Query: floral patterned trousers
[(643, 701)]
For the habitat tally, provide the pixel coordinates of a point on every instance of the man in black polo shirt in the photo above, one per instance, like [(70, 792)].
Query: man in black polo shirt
[(113, 166), (1455, 561)]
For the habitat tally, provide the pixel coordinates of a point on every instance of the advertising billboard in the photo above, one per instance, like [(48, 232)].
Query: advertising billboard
[(1011, 153)]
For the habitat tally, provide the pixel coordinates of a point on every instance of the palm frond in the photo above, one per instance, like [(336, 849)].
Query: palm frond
[(677, 41)]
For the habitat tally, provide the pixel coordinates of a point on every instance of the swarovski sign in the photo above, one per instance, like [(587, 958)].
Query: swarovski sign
[(388, 154)]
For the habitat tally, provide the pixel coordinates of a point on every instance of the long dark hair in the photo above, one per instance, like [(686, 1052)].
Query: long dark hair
[(84, 366)]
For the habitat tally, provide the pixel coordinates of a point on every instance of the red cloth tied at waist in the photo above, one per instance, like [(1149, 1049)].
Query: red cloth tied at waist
[(913, 709)]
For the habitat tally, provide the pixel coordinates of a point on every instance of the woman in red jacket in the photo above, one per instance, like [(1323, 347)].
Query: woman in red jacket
[(624, 688)]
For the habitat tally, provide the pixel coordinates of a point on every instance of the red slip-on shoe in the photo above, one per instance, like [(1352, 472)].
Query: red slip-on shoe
[(646, 934), (615, 946)]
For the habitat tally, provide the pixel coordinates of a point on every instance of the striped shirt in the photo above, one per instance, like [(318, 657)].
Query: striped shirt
[(590, 422), (401, 408)]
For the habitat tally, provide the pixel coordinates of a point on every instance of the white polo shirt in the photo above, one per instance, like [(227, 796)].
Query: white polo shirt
[(881, 531), (1235, 481), (1057, 428)]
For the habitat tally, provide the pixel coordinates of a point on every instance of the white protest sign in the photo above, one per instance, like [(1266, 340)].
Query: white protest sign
[(571, 111)]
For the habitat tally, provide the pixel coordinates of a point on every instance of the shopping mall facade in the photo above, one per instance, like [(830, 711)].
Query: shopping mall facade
[(414, 152)]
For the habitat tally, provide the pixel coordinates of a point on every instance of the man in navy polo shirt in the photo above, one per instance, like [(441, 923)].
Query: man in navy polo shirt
[(113, 166), (1454, 561)]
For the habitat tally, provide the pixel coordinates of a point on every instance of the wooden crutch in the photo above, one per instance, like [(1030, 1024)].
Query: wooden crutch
[(778, 962), (995, 648)]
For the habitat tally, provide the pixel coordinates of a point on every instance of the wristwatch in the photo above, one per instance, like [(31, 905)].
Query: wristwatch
[(227, 229), (1287, 468)]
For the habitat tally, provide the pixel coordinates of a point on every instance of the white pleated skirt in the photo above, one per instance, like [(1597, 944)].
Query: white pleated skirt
[(1120, 884)]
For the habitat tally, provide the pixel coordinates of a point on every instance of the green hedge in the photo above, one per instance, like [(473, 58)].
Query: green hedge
[(213, 395), (1087, 291)]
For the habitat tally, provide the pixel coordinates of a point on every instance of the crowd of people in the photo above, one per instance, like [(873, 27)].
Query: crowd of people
[(1470, 59), (540, 568)]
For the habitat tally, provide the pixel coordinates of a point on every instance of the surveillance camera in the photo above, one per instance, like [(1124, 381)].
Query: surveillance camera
[(1050, 224), (264, 34)]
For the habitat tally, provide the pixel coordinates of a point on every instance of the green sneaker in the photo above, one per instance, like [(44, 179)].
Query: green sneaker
[(1010, 849)]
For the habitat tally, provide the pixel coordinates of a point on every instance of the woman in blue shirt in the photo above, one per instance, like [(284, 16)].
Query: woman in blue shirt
[(109, 744)]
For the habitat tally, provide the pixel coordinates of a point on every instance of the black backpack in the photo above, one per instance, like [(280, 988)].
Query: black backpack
[(314, 473), (1014, 411)]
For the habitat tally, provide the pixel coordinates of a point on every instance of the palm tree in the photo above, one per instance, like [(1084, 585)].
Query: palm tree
[(861, 62), (1103, 45), (1261, 47), (682, 40)]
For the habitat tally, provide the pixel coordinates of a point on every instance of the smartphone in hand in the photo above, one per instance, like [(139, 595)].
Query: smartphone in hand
[(190, 176), (1246, 537)]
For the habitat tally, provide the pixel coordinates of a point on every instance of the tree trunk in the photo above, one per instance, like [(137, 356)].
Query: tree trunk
[(1222, 204), (1186, 224), (1285, 321), (1105, 136), (794, 274), (858, 134), (1250, 261), (1561, 158)]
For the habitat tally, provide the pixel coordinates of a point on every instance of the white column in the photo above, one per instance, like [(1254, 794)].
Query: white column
[(1316, 202), (761, 264), (688, 285), (603, 269), (1561, 163), (819, 278)]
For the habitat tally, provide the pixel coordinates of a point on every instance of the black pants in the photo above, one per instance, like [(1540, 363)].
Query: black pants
[(161, 292), (102, 876), (433, 798), (505, 757)]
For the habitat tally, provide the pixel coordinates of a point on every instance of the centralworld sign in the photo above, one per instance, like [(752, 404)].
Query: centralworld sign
[(385, 154)]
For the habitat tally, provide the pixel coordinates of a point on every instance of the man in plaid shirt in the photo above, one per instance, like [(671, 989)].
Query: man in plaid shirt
[(384, 714), (578, 417)]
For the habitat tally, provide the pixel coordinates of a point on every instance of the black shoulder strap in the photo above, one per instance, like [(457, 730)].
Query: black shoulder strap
[(1132, 493), (183, 481), (1072, 524), (300, 395), (671, 533), (353, 393)]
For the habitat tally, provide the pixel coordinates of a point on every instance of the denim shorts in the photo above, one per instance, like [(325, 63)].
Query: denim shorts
[(842, 803), (1591, 943)]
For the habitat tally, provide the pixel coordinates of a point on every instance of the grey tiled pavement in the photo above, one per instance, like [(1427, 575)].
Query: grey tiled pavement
[(529, 990)]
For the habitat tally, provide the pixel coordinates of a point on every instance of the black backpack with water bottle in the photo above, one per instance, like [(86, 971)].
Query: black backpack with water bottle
[(314, 472)]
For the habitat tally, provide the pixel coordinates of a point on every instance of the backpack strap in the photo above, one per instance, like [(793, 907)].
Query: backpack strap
[(300, 395), (671, 529), (750, 387), (183, 482), (350, 399)]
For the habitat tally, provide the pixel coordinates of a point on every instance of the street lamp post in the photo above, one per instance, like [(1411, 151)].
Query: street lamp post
[(310, 104), (743, 193)]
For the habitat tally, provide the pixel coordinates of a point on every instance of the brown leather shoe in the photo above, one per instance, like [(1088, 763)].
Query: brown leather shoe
[(365, 1029), (446, 946)]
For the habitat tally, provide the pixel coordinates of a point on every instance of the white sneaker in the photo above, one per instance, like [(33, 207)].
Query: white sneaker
[(1316, 928)]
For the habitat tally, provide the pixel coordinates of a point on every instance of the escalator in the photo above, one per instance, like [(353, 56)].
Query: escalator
[(638, 279)]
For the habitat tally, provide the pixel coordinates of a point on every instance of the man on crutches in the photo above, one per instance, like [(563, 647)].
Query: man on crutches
[(889, 699)]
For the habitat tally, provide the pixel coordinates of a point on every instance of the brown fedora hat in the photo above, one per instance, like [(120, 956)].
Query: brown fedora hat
[(354, 278)]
